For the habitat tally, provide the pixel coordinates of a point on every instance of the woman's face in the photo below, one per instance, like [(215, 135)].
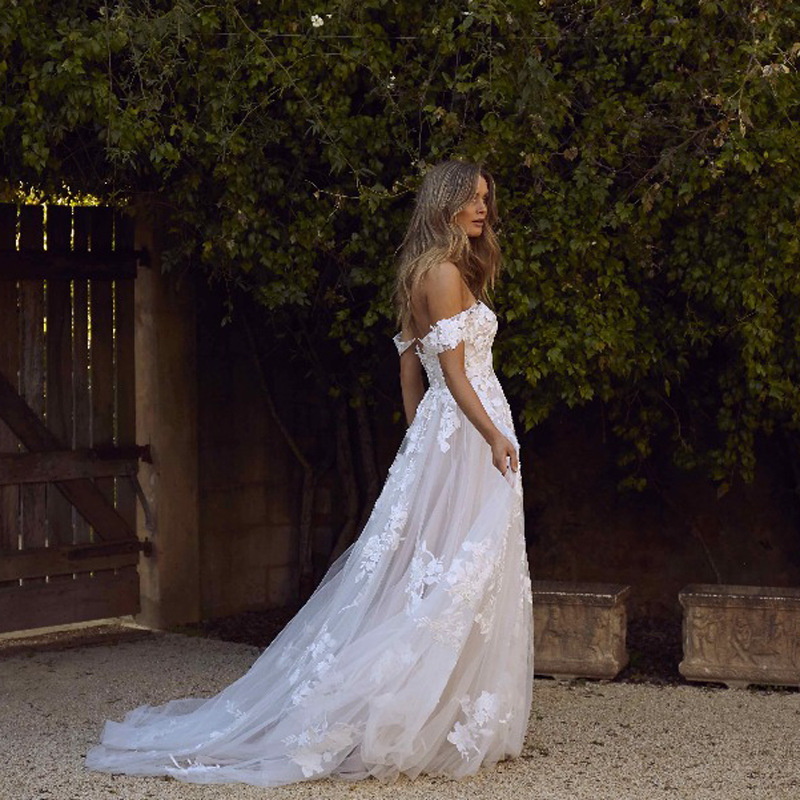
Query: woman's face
[(472, 217)]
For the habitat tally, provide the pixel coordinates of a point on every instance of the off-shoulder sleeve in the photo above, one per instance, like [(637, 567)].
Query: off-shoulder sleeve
[(401, 345), (446, 334)]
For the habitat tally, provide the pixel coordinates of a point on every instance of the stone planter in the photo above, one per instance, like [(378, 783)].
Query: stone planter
[(579, 629), (738, 635)]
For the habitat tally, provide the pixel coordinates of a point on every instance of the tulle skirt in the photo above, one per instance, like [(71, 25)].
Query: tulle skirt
[(415, 653)]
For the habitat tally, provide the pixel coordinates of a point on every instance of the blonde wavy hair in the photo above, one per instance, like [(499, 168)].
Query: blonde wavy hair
[(434, 236)]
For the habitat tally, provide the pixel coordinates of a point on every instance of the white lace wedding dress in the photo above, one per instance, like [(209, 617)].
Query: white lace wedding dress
[(414, 655)]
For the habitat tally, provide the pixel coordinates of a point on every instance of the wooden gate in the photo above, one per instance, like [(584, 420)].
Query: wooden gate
[(68, 455)]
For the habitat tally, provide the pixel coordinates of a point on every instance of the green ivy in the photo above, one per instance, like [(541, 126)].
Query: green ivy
[(646, 154)]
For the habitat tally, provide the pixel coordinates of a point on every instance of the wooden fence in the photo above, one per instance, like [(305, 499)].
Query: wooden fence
[(68, 455)]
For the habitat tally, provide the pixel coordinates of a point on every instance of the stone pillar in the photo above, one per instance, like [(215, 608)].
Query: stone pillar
[(738, 635), (166, 419)]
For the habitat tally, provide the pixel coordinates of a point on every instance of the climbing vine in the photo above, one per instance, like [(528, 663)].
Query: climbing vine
[(646, 154)]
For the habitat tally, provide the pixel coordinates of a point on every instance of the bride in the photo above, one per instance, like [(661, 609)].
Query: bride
[(415, 654)]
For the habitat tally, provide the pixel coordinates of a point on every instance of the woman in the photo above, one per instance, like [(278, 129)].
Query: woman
[(415, 652)]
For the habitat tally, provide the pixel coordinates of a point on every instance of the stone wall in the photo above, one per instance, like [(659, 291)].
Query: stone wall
[(247, 550), (579, 527), (250, 483)]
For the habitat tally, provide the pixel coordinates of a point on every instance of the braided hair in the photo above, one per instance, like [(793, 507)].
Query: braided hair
[(433, 235)]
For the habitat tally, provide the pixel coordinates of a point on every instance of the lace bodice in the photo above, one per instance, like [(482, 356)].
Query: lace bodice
[(476, 326)]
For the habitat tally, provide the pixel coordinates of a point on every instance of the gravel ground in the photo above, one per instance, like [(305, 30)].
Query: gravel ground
[(587, 741)]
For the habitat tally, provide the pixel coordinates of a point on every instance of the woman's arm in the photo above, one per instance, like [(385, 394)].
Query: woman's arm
[(411, 383), (443, 293)]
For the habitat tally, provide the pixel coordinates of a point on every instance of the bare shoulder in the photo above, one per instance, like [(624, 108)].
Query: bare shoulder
[(443, 280), (443, 288), (442, 276)]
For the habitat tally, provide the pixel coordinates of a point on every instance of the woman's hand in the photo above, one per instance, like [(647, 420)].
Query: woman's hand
[(502, 451)]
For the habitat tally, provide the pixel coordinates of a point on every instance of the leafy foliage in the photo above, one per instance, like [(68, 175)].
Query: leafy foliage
[(646, 155)]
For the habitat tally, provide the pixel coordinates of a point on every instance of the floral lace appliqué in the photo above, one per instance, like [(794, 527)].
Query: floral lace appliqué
[(318, 660), (449, 424), (391, 662), (384, 542), (448, 628), (425, 570), (448, 333), (401, 345), (318, 744), (480, 714), (469, 575)]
